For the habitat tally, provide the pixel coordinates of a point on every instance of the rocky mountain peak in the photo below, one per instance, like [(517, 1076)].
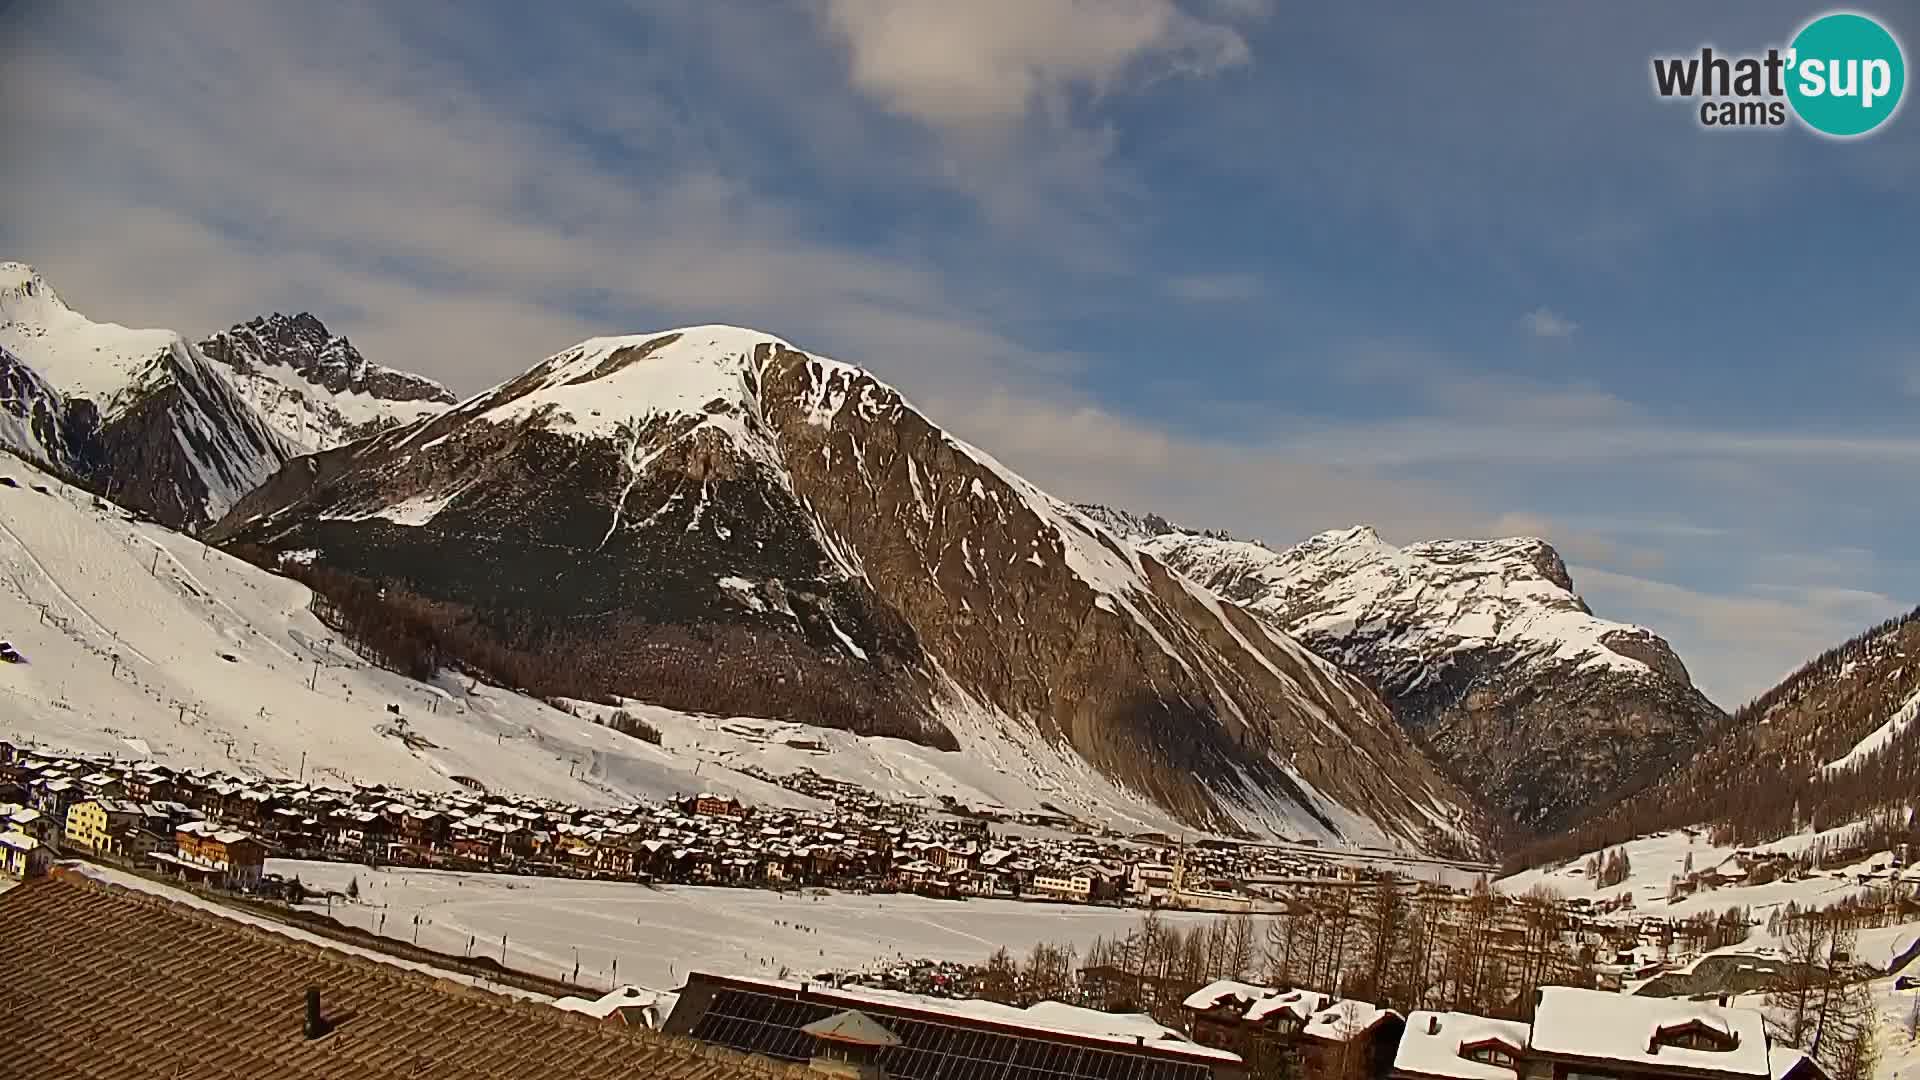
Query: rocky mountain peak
[(1472, 642), (138, 413), (302, 344), (315, 387), (22, 288)]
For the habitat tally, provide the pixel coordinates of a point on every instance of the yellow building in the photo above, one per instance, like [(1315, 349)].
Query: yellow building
[(93, 825), (22, 856)]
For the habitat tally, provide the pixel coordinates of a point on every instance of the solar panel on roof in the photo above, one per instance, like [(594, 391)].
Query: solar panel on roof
[(767, 1024)]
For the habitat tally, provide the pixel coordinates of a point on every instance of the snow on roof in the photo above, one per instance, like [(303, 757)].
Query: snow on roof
[(1600, 1026), (1433, 1041), (1345, 1019), (1214, 993), (18, 841), (1047, 1016), (621, 997), (1301, 1003), (1782, 1060)]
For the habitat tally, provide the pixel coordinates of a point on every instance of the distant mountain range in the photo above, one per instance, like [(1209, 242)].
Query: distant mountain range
[(713, 520), (1481, 648)]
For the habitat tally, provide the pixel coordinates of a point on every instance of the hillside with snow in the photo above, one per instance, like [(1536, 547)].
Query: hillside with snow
[(142, 642), (710, 519), (36, 422), (1481, 647), (314, 387), (145, 415)]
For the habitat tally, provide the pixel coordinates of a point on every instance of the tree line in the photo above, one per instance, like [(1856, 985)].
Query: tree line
[(1384, 942), (1758, 782), (723, 668)]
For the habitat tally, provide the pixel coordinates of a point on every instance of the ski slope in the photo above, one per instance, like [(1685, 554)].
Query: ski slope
[(142, 642)]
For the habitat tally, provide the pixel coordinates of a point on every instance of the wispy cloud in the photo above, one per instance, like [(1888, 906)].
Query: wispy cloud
[(1547, 323), (980, 202), (1738, 644)]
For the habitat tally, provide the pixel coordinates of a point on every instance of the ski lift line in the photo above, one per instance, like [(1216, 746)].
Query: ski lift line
[(61, 591)]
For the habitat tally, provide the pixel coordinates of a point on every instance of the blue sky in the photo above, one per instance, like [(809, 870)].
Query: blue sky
[(1447, 270)]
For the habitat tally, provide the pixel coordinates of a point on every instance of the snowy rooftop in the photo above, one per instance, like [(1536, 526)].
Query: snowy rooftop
[(1434, 1044), (1598, 1026), (659, 1002), (1130, 1029)]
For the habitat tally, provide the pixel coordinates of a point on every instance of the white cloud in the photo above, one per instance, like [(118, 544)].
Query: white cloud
[(1546, 323), (1739, 644), (989, 64)]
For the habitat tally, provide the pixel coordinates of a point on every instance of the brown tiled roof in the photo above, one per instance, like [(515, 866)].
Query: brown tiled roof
[(102, 982)]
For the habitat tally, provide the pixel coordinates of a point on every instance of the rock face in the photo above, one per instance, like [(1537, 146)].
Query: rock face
[(316, 389), (37, 422), (1483, 651), (712, 519), (148, 419)]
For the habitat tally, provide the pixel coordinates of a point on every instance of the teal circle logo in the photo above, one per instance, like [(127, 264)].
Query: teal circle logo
[(1845, 74)]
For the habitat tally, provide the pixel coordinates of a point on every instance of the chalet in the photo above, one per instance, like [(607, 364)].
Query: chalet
[(708, 804), (150, 787), (1217, 1012), (1583, 1033), (1349, 1040), (208, 852), (477, 847), (17, 818), (23, 856), (53, 797), (423, 828), (101, 785), (1460, 1046), (1313, 1034)]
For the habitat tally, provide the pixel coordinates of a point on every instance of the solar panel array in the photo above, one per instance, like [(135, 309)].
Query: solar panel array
[(929, 1050)]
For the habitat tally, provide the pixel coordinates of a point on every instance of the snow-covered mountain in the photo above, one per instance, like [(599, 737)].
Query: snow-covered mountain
[(315, 388), (37, 423), (143, 642), (1481, 647), (173, 437), (713, 520)]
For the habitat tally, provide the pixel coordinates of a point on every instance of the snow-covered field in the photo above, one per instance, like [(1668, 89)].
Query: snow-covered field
[(221, 665), (659, 934)]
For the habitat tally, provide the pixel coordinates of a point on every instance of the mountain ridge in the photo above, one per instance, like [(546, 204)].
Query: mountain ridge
[(148, 418), (1482, 648), (805, 523), (315, 387)]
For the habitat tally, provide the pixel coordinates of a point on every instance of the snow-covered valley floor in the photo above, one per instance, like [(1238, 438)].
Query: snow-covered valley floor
[(659, 934)]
